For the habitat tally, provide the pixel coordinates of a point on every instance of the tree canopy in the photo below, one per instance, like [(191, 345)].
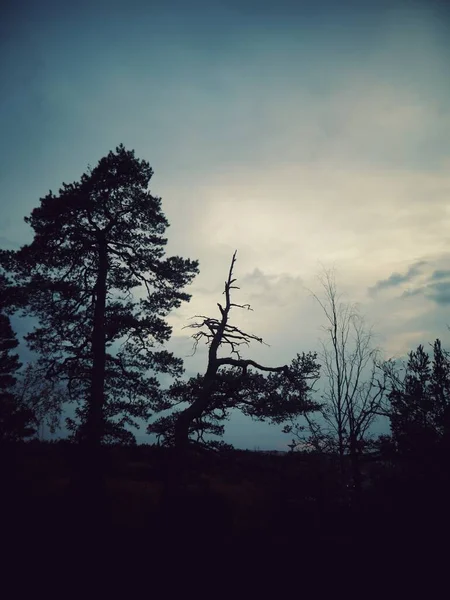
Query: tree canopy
[(274, 398)]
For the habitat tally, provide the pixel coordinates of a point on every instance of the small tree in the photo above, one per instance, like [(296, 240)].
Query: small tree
[(353, 388)]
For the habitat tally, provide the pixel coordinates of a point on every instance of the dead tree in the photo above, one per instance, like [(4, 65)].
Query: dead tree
[(217, 332)]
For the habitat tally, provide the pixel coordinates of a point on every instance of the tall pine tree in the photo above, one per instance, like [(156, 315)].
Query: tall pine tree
[(96, 278)]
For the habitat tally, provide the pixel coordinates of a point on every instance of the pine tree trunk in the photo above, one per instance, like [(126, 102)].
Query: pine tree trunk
[(341, 450), (356, 471), (174, 495), (93, 484), (95, 424), (193, 411)]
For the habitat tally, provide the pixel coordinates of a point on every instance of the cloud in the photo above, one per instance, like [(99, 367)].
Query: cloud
[(278, 291), (437, 292), (440, 274), (440, 292), (412, 292), (435, 286), (397, 279)]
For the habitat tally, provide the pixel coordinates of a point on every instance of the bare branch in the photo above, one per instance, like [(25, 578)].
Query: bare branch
[(246, 306)]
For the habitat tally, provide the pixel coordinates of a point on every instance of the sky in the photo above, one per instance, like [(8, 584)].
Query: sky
[(303, 134)]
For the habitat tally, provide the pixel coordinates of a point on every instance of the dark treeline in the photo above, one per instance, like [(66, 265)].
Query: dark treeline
[(98, 285)]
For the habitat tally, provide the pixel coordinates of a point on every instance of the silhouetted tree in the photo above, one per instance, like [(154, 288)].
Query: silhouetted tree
[(95, 243), (353, 385), (217, 333), (419, 399)]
